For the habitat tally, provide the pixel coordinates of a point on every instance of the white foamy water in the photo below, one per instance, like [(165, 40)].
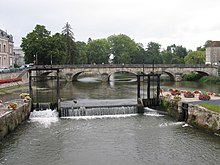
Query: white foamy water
[(99, 116), (45, 117), (152, 114), (171, 124)]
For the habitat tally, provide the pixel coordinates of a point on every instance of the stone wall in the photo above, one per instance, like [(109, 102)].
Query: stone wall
[(204, 118), (10, 119), (198, 116)]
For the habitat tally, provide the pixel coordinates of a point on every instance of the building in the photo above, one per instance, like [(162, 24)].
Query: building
[(213, 53), (19, 56), (6, 49)]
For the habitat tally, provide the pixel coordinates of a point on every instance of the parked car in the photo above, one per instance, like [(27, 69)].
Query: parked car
[(4, 70), (1, 69)]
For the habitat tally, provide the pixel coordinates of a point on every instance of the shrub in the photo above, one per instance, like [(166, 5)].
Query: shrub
[(204, 97), (193, 76), (175, 92), (189, 94), (177, 97), (13, 106), (210, 80), (197, 92)]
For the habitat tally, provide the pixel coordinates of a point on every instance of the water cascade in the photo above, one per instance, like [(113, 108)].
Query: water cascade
[(98, 110)]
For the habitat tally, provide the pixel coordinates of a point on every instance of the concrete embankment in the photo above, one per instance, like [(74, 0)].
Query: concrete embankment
[(194, 114), (10, 119)]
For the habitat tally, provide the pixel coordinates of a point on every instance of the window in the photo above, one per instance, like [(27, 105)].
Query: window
[(10, 50), (4, 48)]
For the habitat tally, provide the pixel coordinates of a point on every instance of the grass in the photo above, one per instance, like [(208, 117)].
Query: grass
[(211, 107), (3, 92)]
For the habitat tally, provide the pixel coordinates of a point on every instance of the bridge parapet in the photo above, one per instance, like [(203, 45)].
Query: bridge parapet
[(175, 71)]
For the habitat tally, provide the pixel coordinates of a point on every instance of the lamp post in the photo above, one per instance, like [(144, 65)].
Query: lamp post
[(51, 60), (35, 59)]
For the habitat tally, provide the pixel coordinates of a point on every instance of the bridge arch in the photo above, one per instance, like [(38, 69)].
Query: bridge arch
[(123, 72), (72, 76), (170, 74), (75, 76), (201, 73)]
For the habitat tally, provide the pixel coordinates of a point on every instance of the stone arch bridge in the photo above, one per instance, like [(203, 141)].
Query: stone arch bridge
[(175, 71)]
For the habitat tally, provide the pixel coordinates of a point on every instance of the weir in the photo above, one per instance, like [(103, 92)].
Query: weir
[(98, 110)]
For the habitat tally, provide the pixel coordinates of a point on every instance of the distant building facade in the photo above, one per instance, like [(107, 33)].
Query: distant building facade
[(19, 56), (213, 53), (6, 49)]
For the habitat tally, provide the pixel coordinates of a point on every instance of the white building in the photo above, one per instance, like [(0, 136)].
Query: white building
[(213, 53), (6, 49), (19, 56)]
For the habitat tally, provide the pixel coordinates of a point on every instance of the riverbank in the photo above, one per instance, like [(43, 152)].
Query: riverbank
[(194, 114)]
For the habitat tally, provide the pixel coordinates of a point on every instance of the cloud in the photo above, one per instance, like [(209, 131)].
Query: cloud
[(183, 22)]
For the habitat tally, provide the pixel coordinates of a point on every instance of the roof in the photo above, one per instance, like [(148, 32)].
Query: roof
[(214, 44), (4, 34)]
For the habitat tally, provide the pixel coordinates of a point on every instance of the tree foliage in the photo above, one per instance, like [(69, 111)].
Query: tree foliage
[(98, 51), (123, 48), (36, 44), (174, 54), (82, 58), (71, 48), (195, 57), (153, 53)]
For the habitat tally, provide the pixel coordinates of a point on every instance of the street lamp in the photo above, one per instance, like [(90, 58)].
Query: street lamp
[(35, 59), (51, 60)]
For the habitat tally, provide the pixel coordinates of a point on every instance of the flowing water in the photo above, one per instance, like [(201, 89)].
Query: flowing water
[(119, 139)]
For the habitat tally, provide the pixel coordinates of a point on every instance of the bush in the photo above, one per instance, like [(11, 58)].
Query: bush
[(210, 80), (189, 94), (204, 97), (175, 92), (193, 76)]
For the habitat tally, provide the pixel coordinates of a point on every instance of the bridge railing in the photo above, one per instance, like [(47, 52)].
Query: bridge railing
[(131, 66)]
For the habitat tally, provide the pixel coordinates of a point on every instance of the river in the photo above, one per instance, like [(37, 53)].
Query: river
[(151, 138)]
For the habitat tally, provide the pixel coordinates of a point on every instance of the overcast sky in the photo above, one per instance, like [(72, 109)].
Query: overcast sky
[(189, 23)]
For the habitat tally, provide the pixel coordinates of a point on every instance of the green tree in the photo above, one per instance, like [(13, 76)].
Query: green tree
[(153, 53), (82, 50), (195, 57), (174, 54), (98, 51), (71, 50), (167, 57), (35, 45), (123, 48), (57, 51), (139, 55)]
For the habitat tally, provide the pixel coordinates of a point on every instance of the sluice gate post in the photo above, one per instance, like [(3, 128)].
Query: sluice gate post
[(38, 76), (153, 99)]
